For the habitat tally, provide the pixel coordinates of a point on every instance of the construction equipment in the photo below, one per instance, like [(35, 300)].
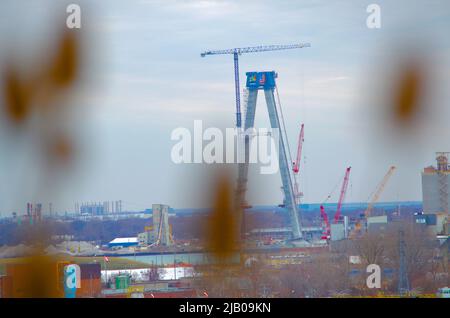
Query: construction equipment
[(326, 232), (379, 190), (342, 195), (160, 228), (324, 215), (238, 51), (266, 81), (160, 233), (442, 172), (296, 164)]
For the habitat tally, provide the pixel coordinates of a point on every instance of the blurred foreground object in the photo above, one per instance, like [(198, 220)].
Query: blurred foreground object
[(42, 88), (222, 227), (408, 91)]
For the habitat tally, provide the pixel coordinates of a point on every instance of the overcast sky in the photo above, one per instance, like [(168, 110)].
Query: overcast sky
[(150, 79)]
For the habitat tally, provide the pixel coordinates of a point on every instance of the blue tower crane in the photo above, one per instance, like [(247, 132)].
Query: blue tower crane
[(238, 51)]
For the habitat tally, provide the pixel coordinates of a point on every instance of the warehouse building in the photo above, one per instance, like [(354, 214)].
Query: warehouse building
[(436, 194), (121, 242)]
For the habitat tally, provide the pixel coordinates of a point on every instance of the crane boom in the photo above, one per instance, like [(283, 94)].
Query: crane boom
[(342, 195), (379, 190), (296, 166), (376, 196), (253, 49), (324, 215)]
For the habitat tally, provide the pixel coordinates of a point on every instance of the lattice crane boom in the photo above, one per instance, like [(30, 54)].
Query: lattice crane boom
[(379, 190), (254, 49), (301, 138), (342, 195), (324, 216)]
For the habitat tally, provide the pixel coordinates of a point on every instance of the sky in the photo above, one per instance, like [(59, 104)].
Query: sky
[(145, 78)]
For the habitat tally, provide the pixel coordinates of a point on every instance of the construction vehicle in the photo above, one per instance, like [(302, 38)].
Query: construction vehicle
[(296, 164), (327, 232), (337, 216), (379, 190)]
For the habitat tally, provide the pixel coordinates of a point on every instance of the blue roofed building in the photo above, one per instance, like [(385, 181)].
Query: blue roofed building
[(123, 242)]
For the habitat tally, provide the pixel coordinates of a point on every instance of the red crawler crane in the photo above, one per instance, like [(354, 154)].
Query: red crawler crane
[(296, 164), (342, 196), (323, 214), (296, 167), (326, 232)]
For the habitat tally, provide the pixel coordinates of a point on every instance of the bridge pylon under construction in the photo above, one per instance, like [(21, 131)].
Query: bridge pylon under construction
[(266, 81)]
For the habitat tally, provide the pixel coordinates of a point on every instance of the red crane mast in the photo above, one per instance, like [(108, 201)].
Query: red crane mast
[(296, 167), (342, 196)]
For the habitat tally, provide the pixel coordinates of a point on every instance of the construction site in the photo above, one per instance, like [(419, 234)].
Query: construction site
[(285, 251), (240, 239)]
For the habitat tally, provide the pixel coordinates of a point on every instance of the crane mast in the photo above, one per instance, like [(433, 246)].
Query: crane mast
[(324, 215), (342, 195), (242, 50), (296, 164), (296, 167), (379, 190)]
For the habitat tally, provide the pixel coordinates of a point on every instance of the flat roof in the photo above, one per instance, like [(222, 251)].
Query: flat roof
[(119, 240), (285, 229)]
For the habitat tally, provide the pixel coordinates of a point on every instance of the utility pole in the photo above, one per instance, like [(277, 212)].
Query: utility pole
[(403, 282)]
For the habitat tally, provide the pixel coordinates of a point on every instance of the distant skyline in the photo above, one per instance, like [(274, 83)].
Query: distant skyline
[(148, 79)]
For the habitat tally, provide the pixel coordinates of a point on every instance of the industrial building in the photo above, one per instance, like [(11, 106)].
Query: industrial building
[(121, 242), (99, 208), (435, 194), (435, 181), (146, 238), (160, 233), (161, 228), (92, 209), (33, 214), (337, 231)]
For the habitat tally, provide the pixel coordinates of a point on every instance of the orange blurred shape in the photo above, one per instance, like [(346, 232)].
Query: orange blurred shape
[(35, 277), (17, 95), (407, 93), (222, 224), (63, 69), (46, 84), (61, 149)]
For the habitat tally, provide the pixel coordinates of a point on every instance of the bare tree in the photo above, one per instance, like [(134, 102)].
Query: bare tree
[(419, 247), (371, 248)]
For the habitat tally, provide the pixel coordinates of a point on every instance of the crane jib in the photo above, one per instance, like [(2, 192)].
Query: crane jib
[(253, 49)]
